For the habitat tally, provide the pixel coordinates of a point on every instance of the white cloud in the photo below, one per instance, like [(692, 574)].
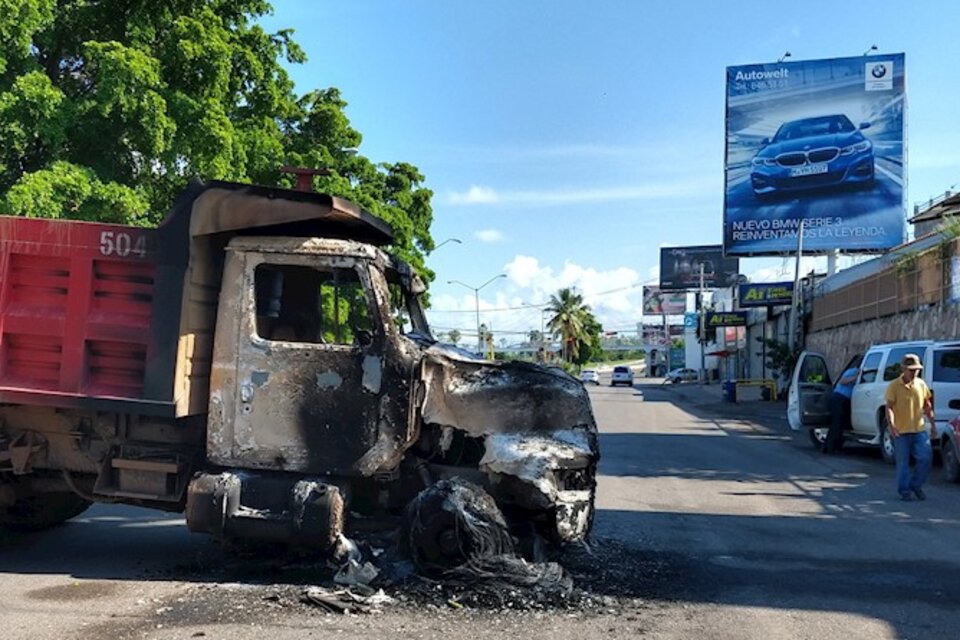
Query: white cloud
[(653, 190), (489, 235), (474, 195), (524, 270)]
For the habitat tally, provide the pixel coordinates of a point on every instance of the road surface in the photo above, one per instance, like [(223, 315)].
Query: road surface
[(724, 527)]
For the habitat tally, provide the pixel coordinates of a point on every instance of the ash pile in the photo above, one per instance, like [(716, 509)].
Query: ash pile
[(454, 550)]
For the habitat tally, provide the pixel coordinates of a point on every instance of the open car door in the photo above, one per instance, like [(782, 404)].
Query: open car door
[(808, 401)]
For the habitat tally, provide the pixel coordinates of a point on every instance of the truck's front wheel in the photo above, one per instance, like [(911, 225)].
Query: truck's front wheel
[(41, 511)]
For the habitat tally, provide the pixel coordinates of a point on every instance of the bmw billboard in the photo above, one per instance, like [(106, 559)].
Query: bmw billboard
[(819, 142)]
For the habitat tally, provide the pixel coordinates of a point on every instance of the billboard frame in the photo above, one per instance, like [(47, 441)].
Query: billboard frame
[(898, 59)]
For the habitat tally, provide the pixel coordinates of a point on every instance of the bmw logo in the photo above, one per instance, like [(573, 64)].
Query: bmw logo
[(879, 71)]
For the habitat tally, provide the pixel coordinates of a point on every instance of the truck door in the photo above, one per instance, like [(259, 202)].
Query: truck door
[(308, 369), (863, 402), (808, 401)]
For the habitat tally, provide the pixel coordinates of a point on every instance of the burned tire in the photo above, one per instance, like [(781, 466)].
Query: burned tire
[(42, 511), (451, 523)]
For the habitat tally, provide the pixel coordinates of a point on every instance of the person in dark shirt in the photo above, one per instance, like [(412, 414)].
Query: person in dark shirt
[(840, 410)]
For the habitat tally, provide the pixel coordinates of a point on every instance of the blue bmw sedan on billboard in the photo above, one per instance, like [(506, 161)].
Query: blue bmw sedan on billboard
[(820, 142)]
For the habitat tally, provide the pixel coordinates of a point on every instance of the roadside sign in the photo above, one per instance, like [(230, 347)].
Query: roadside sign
[(765, 294), (726, 319)]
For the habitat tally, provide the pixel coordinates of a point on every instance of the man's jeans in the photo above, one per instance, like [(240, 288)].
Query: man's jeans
[(917, 445)]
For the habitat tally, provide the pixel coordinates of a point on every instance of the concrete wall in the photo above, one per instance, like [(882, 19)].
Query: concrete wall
[(842, 343)]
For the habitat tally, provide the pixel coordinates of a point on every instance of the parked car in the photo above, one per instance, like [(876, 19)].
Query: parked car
[(622, 375), (812, 153), (949, 443), (809, 396), (683, 375), (589, 376)]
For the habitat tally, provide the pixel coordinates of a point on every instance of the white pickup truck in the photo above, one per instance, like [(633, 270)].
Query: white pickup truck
[(809, 397)]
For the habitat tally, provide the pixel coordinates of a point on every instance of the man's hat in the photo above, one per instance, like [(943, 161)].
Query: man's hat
[(911, 361)]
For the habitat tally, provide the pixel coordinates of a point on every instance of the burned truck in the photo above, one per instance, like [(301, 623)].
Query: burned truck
[(261, 363)]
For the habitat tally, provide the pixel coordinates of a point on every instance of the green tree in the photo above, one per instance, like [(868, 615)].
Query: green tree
[(575, 325), (780, 358), (454, 336), (108, 109)]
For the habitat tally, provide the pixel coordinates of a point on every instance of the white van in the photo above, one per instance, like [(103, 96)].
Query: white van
[(809, 396)]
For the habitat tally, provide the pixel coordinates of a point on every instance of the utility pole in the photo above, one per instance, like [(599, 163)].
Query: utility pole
[(666, 337), (703, 334), (476, 300), (792, 326)]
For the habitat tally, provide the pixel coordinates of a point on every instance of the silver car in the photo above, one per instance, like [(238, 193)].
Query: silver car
[(589, 376), (622, 375), (683, 375)]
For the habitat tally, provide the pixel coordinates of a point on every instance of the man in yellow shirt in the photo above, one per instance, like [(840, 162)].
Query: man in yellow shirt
[(908, 399)]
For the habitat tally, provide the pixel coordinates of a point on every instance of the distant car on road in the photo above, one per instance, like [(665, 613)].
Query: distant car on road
[(812, 153), (589, 375), (622, 375), (683, 375)]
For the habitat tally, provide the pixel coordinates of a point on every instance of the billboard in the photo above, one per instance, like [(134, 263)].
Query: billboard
[(653, 335), (818, 141), (680, 268), (678, 358), (658, 334), (657, 302), (726, 319), (765, 294)]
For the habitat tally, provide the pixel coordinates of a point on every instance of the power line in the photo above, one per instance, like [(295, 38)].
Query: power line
[(543, 304)]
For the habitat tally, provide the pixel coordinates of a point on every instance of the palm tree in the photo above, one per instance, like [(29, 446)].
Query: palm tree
[(572, 321)]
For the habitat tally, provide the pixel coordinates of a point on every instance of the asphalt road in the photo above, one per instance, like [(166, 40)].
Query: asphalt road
[(751, 534)]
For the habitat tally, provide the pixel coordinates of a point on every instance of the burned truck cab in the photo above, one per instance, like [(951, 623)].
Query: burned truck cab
[(310, 386), (329, 397)]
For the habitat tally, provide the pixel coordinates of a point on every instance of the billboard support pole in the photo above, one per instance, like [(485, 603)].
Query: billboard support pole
[(703, 335), (666, 337), (794, 303), (832, 262)]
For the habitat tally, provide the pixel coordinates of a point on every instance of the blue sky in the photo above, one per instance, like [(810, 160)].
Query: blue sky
[(566, 142)]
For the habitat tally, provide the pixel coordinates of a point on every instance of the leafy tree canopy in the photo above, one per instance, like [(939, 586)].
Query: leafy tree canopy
[(108, 108)]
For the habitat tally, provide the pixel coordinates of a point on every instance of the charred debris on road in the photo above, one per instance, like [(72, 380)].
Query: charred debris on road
[(606, 577)]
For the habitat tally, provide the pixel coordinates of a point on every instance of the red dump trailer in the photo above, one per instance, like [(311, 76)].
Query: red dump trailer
[(77, 301)]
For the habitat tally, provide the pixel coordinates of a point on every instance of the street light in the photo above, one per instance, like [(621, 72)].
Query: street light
[(476, 298), (872, 48), (457, 240), (786, 54)]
